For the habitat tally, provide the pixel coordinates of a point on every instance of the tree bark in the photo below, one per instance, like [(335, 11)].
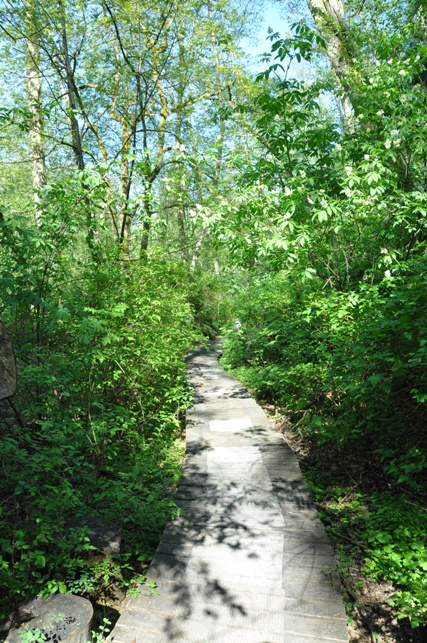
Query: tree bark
[(329, 17), (34, 90), (72, 104), (196, 251), (163, 115), (76, 137)]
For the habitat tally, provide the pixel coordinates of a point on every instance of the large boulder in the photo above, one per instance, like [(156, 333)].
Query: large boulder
[(7, 365), (61, 618)]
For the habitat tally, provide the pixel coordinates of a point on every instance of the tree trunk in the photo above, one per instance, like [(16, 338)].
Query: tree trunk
[(163, 115), (72, 105), (34, 89), (76, 136), (197, 251), (330, 20), (147, 220), (126, 181)]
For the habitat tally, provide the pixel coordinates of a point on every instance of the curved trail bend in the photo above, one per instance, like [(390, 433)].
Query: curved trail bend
[(249, 562)]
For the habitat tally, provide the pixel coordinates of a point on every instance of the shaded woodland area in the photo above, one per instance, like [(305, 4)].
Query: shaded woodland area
[(152, 188)]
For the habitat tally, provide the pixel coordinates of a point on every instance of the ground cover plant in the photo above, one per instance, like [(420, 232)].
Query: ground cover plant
[(101, 398)]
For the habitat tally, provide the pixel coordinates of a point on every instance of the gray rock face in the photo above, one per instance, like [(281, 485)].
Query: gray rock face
[(7, 365), (61, 618)]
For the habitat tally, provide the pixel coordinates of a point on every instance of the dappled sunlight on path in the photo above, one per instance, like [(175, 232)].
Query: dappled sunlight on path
[(249, 561)]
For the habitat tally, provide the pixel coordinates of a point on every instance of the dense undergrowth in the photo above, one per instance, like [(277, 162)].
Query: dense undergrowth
[(348, 371), (97, 433)]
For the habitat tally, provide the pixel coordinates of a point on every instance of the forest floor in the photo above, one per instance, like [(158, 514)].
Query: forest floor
[(372, 618)]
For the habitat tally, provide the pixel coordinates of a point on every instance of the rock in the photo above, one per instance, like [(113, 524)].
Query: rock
[(102, 534), (7, 365), (61, 618)]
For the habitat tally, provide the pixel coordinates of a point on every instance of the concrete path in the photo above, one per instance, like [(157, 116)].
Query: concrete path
[(249, 562)]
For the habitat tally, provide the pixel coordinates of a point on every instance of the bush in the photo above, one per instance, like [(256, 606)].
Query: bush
[(102, 391)]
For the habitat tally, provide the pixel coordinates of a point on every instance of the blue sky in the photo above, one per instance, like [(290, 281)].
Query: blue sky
[(273, 18), (279, 18)]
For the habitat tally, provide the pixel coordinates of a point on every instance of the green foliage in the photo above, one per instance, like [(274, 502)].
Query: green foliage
[(352, 362), (389, 531), (35, 635), (397, 553), (332, 226), (211, 301), (102, 389), (102, 634)]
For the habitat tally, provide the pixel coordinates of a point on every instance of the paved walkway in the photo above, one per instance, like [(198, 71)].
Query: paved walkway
[(249, 562)]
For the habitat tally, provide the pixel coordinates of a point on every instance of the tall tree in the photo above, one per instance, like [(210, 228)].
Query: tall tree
[(127, 84), (34, 88), (330, 19)]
